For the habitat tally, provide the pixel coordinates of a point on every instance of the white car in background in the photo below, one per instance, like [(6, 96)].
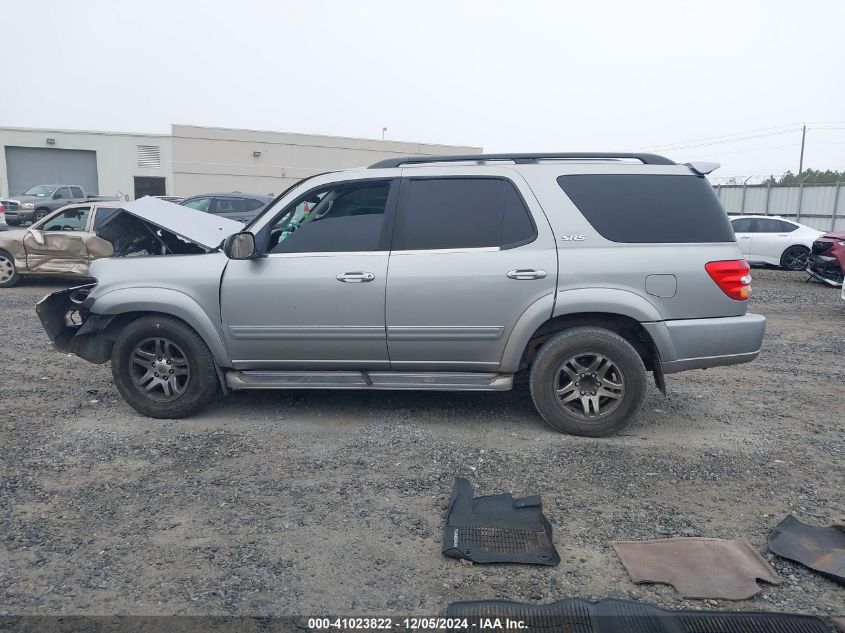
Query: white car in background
[(771, 239)]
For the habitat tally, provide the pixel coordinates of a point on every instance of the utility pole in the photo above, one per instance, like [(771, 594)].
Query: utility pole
[(384, 129), (801, 161)]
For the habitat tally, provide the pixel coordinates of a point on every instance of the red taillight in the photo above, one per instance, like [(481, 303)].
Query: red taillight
[(732, 276)]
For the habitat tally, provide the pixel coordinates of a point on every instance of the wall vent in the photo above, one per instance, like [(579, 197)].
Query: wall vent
[(149, 156)]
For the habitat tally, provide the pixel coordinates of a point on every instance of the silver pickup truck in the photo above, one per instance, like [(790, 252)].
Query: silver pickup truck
[(585, 271)]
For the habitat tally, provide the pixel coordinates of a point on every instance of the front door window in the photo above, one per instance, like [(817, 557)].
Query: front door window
[(342, 218)]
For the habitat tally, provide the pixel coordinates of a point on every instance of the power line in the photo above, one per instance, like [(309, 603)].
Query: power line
[(730, 140), (750, 149), (739, 136), (710, 138)]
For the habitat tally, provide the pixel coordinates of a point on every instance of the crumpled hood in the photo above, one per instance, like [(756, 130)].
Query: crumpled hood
[(837, 235), (205, 229)]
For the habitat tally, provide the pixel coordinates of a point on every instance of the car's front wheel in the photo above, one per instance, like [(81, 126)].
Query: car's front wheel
[(588, 381), (162, 368), (9, 274), (795, 258), (40, 214)]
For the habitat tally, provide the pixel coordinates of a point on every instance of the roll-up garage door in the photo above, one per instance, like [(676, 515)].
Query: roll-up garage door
[(29, 166)]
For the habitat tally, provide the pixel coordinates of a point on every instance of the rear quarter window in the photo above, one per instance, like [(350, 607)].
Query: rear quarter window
[(642, 208)]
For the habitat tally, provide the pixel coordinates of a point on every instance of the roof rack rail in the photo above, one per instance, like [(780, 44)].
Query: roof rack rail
[(646, 159)]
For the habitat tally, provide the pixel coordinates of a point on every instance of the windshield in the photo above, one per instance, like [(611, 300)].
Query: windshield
[(40, 191)]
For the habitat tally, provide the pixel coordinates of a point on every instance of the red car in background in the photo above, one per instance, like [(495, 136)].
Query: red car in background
[(827, 259)]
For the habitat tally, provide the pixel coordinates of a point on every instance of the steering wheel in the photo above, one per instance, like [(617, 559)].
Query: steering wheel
[(68, 227)]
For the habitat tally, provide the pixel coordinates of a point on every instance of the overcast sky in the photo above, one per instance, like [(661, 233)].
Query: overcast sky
[(508, 76)]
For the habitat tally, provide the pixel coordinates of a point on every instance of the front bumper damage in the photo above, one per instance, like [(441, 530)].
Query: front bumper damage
[(72, 328), (825, 269)]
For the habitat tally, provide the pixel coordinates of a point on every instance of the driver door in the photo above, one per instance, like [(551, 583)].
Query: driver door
[(315, 300), (57, 244)]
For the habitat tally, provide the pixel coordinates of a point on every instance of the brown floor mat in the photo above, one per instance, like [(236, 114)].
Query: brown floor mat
[(819, 548), (698, 567)]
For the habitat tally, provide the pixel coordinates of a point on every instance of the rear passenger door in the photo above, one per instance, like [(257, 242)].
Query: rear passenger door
[(469, 255), (742, 230), (769, 241)]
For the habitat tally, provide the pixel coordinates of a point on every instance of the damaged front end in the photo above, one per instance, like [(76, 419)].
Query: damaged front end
[(827, 259), (141, 229), (72, 328)]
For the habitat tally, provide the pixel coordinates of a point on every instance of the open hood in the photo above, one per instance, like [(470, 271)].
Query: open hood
[(204, 229)]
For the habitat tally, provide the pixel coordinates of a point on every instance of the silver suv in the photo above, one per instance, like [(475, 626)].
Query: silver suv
[(442, 273)]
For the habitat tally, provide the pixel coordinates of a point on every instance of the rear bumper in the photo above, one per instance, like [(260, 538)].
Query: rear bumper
[(700, 343)]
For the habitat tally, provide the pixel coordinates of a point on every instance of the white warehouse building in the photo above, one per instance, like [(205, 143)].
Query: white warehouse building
[(188, 161)]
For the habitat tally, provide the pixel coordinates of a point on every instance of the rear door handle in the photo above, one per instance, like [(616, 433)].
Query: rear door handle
[(356, 277), (527, 273)]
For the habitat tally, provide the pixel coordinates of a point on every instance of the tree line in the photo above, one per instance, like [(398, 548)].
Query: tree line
[(808, 177)]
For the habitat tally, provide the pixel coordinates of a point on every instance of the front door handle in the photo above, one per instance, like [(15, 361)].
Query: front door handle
[(356, 277), (527, 273)]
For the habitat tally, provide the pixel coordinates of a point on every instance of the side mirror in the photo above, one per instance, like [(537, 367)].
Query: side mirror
[(240, 246)]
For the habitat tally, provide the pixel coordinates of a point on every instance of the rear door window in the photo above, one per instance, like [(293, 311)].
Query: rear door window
[(251, 204), (643, 208), (228, 205), (742, 226), (443, 213), (77, 192)]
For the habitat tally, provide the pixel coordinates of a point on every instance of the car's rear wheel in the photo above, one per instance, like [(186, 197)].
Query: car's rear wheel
[(9, 274), (588, 381), (162, 368), (795, 258)]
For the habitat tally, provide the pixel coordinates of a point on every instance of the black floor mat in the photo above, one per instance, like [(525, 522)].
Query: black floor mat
[(820, 549), (497, 529), (623, 616)]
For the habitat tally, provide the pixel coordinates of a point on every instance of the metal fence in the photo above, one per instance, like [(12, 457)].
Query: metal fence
[(819, 206)]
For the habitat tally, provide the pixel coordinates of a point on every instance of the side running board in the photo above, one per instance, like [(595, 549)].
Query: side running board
[(434, 381)]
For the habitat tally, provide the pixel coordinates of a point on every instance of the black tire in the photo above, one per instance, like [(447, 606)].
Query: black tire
[(12, 222), (200, 385), (795, 258), (39, 214), (9, 274), (623, 365)]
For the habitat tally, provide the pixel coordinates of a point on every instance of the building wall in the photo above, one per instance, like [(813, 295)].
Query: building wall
[(218, 159), (117, 158)]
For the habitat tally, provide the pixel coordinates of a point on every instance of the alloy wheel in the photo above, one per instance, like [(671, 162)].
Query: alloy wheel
[(589, 386), (159, 369), (795, 258)]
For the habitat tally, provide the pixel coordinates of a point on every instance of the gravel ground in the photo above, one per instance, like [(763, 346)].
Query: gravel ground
[(333, 502)]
